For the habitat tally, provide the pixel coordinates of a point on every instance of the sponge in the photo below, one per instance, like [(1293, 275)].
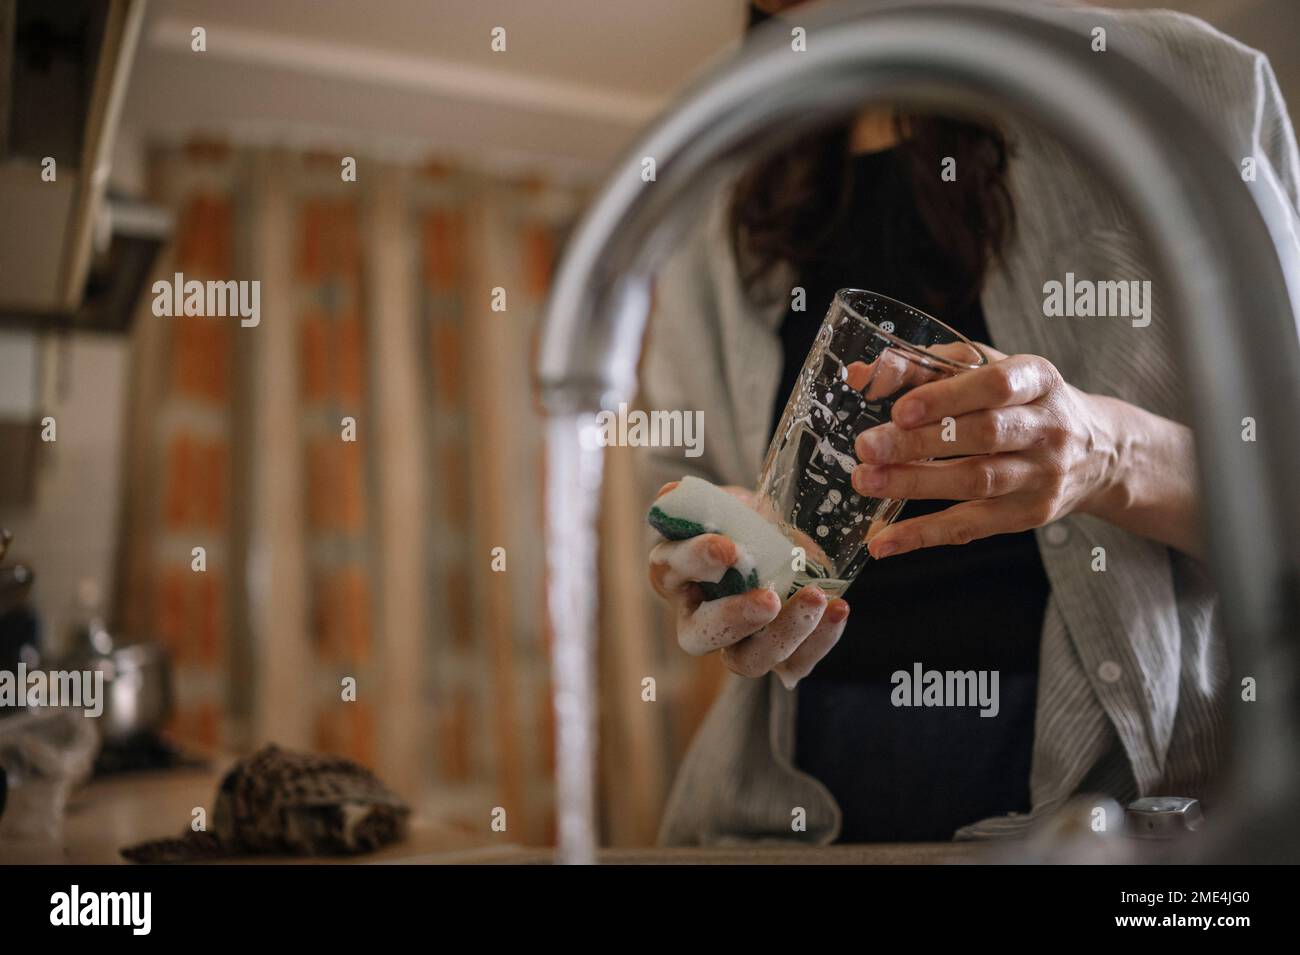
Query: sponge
[(764, 554)]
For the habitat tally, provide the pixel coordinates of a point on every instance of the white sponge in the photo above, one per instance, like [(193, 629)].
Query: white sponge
[(765, 555)]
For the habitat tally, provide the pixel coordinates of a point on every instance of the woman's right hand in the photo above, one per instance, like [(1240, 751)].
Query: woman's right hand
[(754, 631)]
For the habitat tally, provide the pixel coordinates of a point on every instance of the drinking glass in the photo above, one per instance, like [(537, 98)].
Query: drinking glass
[(869, 352)]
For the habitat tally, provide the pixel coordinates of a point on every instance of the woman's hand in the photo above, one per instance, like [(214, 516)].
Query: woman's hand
[(1026, 448), (755, 633)]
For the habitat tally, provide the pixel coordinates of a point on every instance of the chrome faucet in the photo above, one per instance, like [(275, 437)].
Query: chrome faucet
[(1221, 245)]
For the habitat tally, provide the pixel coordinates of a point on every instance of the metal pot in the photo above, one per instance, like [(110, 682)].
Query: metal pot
[(137, 690), (137, 694)]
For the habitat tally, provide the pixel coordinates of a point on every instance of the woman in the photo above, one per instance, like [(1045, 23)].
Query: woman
[(1058, 548)]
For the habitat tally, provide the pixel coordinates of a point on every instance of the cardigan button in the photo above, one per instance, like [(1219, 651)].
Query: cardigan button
[(1056, 534), (1109, 671)]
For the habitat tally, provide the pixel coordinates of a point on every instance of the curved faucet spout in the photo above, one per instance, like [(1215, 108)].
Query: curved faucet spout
[(1218, 243)]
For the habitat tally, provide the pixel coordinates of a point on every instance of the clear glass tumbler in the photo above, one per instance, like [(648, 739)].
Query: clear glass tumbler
[(870, 351)]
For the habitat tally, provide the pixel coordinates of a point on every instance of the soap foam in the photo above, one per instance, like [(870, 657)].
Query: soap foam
[(765, 555)]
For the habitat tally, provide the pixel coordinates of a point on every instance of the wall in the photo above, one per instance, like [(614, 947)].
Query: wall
[(69, 533)]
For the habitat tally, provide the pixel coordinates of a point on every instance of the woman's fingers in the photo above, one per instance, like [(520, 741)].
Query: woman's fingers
[(814, 649), (666, 488), (980, 432), (1017, 380), (890, 372), (716, 624), (894, 369), (962, 479), (858, 373), (959, 524), (759, 653), (675, 564), (754, 631)]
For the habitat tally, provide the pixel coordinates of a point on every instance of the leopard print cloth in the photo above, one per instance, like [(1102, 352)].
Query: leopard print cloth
[(285, 802)]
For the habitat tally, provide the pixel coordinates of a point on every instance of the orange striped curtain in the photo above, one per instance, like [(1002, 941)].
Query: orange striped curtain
[(473, 699)]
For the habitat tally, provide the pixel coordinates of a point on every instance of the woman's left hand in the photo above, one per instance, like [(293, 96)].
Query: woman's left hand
[(1026, 448)]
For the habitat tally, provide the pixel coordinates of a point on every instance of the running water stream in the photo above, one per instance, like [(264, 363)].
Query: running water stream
[(573, 475)]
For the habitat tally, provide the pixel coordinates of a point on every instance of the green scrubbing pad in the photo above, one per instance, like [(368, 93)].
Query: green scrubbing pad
[(697, 507), (674, 528)]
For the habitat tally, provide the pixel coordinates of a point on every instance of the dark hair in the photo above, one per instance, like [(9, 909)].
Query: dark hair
[(785, 208)]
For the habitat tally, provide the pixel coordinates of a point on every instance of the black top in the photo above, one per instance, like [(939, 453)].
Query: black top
[(916, 773)]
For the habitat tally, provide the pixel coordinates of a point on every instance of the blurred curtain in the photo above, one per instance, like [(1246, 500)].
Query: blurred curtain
[(371, 560)]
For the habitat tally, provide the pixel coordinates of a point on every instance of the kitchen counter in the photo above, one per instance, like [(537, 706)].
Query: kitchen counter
[(898, 853), (120, 811), (133, 807)]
